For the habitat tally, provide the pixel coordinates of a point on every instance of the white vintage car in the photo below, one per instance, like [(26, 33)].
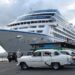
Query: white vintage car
[(69, 52), (45, 58)]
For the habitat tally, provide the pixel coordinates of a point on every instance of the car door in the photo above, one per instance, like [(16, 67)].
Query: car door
[(46, 59), (36, 60), (56, 57)]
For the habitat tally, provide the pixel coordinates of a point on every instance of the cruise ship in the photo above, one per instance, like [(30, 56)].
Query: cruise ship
[(41, 26)]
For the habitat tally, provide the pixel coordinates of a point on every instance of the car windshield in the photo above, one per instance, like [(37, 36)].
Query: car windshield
[(10, 53)]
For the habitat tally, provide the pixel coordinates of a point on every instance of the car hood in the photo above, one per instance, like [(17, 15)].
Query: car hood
[(24, 58)]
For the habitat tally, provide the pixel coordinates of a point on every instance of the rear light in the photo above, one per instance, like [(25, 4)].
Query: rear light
[(69, 59)]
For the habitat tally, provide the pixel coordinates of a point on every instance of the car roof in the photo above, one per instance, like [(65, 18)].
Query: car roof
[(67, 50), (70, 51), (49, 50)]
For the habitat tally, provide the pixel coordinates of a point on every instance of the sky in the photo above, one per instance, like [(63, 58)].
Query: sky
[(11, 9)]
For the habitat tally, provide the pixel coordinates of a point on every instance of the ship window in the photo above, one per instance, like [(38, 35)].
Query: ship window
[(21, 22), (39, 31), (51, 20), (43, 21), (32, 22), (39, 21), (46, 21), (35, 22), (14, 24), (58, 36), (41, 26), (32, 26), (24, 22), (33, 31), (28, 22), (23, 27), (17, 24), (15, 28)]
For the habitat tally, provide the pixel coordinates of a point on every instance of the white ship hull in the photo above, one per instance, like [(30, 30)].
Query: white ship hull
[(14, 40)]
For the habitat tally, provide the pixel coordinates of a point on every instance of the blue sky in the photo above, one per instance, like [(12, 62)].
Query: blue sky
[(11, 9)]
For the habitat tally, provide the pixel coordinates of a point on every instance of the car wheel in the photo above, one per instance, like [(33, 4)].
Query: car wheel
[(23, 66), (9, 60), (55, 66)]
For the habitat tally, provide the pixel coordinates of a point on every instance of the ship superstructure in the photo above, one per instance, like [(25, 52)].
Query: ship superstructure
[(49, 22)]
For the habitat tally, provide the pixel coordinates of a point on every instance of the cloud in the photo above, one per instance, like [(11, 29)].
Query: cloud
[(71, 7), (4, 2), (68, 10), (7, 2), (72, 21), (39, 4), (11, 9)]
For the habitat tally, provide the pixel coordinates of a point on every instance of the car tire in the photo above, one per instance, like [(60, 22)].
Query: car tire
[(23, 66), (55, 66), (9, 60)]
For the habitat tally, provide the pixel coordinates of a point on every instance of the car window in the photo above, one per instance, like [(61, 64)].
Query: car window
[(56, 53), (64, 52), (37, 54), (73, 53), (29, 53), (46, 54)]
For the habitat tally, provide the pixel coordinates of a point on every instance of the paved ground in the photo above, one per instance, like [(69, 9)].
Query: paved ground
[(11, 69)]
